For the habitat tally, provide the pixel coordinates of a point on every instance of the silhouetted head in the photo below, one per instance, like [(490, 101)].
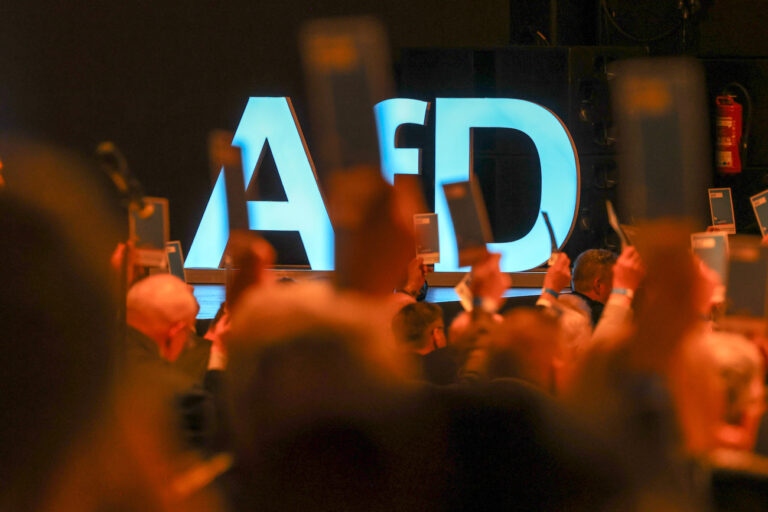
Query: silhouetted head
[(420, 327), (593, 274)]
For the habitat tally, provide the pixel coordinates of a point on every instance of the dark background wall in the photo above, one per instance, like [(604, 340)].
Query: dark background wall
[(156, 76)]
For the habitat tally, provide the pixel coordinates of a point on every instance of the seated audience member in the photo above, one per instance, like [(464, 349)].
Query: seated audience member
[(615, 320), (574, 314), (420, 329), (160, 312), (593, 279)]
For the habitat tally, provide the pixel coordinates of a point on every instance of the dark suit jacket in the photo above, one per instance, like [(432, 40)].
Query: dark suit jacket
[(197, 408)]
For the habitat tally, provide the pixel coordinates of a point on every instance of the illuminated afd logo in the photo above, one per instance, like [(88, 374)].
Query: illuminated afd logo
[(273, 119)]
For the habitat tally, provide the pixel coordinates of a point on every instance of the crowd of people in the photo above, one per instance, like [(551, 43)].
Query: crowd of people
[(619, 390)]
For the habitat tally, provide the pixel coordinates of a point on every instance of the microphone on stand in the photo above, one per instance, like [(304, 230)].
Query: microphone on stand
[(113, 163)]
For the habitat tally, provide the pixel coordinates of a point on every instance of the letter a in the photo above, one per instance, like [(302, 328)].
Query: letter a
[(273, 120)]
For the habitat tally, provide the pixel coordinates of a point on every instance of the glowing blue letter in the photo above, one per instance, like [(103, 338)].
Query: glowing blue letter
[(559, 173), (273, 120), (390, 114)]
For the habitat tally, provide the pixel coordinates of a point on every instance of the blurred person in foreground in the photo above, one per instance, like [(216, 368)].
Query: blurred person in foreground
[(319, 407), (513, 445), (327, 416), (629, 385), (70, 439), (60, 350), (726, 393), (721, 402)]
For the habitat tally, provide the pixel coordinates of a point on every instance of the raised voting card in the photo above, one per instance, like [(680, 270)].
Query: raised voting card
[(150, 232), (760, 206), (721, 210), (470, 220), (747, 289), (175, 259), (427, 237)]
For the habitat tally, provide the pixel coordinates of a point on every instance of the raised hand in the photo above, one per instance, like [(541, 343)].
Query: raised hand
[(488, 281), (559, 274), (252, 256), (628, 272), (416, 276)]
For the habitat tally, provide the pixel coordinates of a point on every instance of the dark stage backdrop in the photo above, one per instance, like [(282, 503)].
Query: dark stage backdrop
[(155, 76)]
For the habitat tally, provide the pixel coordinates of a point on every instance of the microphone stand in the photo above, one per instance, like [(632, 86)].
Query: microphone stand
[(113, 163)]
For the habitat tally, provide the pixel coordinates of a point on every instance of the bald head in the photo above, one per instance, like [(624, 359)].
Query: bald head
[(162, 307)]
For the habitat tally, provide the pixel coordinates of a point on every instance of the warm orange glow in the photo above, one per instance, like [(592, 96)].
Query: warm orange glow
[(337, 52), (648, 95)]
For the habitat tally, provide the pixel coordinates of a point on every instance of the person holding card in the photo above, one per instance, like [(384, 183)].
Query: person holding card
[(593, 279), (557, 278), (415, 284)]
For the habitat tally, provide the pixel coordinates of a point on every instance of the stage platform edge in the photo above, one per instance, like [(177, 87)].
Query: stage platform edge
[(529, 279)]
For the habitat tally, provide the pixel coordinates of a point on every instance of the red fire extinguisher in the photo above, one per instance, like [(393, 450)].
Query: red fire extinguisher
[(728, 123)]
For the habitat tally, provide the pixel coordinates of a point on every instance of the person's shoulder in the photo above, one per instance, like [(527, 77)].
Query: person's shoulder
[(575, 301)]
